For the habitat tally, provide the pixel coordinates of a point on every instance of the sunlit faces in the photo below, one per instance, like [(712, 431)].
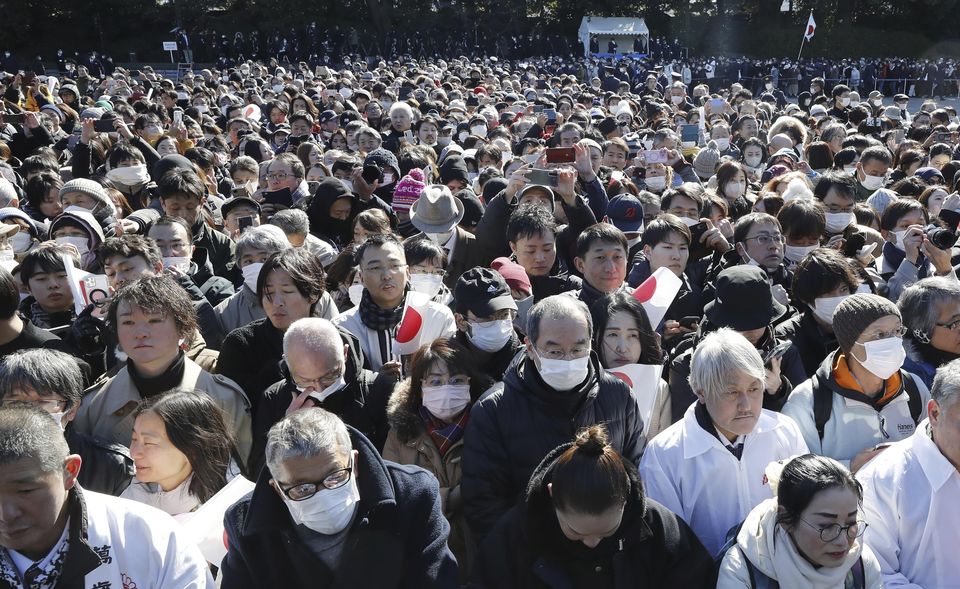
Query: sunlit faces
[(156, 458), (736, 409), (282, 300), (536, 253), (620, 340), (672, 252)]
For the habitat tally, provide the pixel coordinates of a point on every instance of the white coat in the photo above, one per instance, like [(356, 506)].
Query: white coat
[(910, 498), (437, 322), (691, 473), (853, 426)]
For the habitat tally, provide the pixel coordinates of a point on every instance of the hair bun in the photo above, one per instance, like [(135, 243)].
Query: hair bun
[(592, 440)]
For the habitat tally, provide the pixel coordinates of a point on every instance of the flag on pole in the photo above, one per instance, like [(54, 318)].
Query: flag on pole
[(811, 27), (409, 331), (656, 294)]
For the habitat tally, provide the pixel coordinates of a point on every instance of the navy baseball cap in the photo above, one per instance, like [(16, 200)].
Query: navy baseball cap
[(626, 213)]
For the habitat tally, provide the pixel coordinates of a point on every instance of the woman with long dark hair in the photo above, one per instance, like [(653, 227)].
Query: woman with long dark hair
[(182, 450)]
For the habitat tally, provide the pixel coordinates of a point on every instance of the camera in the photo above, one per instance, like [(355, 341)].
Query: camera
[(941, 238), (853, 243)]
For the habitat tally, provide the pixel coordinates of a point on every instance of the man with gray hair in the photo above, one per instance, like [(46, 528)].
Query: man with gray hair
[(555, 389), (55, 534), (322, 366), (708, 468), (253, 248), (53, 381), (296, 226), (930, 309), (328, 511), (911, 492)]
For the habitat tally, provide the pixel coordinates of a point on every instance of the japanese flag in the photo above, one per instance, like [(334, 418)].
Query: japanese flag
[(205, 525), (86, 287), (644, 383), (657, 294), (811, 28), (409, 336)]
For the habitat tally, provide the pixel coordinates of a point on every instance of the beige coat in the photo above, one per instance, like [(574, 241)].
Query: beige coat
[(107, 412)]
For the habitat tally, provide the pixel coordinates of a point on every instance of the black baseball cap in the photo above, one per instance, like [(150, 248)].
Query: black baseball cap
[(482, 291)]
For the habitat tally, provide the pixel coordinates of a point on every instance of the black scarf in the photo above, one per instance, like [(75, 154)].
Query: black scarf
[(376, 318), (167, 381)]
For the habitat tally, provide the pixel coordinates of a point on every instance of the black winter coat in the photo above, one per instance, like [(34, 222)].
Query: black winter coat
[(398, 537), (652, 547), (813, 344), (511, 431), (107, 467)]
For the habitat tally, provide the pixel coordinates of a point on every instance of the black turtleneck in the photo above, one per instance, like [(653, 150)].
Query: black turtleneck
[(168, 380)]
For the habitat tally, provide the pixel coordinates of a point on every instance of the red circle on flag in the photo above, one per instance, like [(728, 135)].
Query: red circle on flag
[(646, 290), (624, 378), (409, 326)]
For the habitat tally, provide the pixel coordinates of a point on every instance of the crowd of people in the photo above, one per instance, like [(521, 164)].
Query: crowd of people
[(466, 322)]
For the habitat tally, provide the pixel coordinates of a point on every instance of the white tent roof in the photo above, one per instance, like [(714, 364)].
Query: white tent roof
[(604, 25)]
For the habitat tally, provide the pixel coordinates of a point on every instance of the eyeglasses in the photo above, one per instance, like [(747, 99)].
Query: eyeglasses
[(765, 239), (278, 176), (898, 332), (389, 270), (324, 381), (334, 480), (833, 531), (48, 405), (952, 326)]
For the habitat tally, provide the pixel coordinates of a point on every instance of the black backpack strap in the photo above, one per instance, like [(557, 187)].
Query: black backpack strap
[(822, 405), (856, 578), (913, 395)]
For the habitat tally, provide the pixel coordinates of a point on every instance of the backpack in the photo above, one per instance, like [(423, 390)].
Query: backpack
[(823, 402), (856, 578)]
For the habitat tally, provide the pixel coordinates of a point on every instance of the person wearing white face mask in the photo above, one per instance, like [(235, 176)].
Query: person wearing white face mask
[(908, 254), (335, 501), (872, 169), (437, 213), (253, 248), (860, 399), (557, 384), (322, 366), (428, 413), (484, 310), (53, 381)]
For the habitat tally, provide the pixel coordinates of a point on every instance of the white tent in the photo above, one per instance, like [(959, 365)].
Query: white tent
[(621, 29)]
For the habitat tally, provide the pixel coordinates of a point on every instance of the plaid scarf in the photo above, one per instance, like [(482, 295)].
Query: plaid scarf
[(45, 320), (40, 575), (376, 318), (444, 435)]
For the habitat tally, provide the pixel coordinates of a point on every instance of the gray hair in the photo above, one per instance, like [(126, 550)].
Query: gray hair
[(306, 433), (946, 384), (556, 307), (47, 372), (401, 106), (830, 131), (719, 357), (291, 221), (267, 238), (28, 432), (920, 304), (7, 193), (318, 335)]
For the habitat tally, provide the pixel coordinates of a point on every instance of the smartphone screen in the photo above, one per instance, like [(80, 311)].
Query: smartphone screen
[(689, 133), (561, 155), (542, 177), (244, 222)]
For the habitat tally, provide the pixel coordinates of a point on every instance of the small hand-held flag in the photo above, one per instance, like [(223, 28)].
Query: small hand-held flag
[(644, 383), (409, 331), (811, 28), (656, 294)]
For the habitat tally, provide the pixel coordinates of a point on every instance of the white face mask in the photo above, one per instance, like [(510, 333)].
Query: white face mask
[(722, 144), (876, 102), (563, 375), (129, 175), (355, 292), (250, 274), (348, 184), (634, 241), (428, 284), (181, 263), (872, 182), (898, 240), (796, 253), (440, 238), (6, 255), (328, 512), (688, 221), (78, 242), (387, 179), (753, 160), (734, 190), (321, 396), (845, 101), (446, 401), (768, 86), (850, 169), (491, 336), (656, 182), (21, 242), (825, 307), (884, 357), (837, 222), (676, 99)]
